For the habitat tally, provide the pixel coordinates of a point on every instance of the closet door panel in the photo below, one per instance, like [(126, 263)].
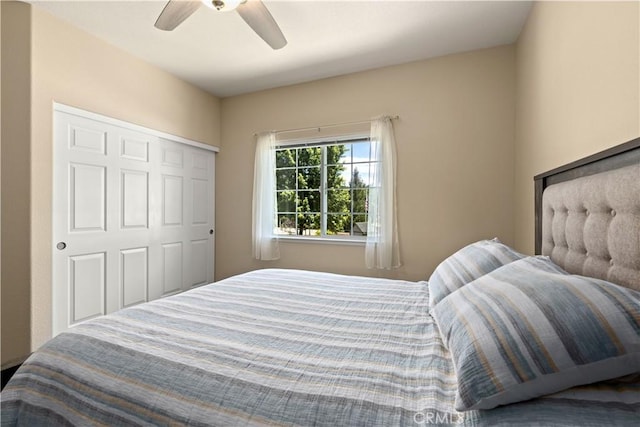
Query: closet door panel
[(87, 197), (132, 218), (199, 268), (134, 198), (172, 261), (134, 278), (87, 286), (172, 200)]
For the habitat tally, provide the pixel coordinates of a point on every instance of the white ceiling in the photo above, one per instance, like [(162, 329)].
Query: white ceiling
[(221, 54)]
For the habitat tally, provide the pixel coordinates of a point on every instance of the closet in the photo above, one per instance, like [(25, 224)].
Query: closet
[(133, 215)]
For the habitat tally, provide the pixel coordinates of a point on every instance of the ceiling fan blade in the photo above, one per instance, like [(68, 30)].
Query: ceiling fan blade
[(255, 13), (174, 13)]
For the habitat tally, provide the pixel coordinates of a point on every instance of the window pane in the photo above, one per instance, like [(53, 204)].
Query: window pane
[(309, 178), (309, 156), (285, 158), (286, 179), (346, 156), (287, 201), (360, 201), (286, 224), (335, 153), (339, 224), (361, 152), (309, 224), (308, 202), (339, 201), (360, 225), (362, 175), (338, 176), (360, 218)]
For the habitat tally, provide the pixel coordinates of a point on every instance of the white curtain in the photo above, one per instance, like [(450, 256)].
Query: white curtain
[(265, 242), (382, 250)]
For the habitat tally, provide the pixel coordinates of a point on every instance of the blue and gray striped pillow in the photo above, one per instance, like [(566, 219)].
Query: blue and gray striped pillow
[(529, 329), (466, 265)]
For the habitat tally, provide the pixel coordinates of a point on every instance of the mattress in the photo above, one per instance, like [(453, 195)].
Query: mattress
[(276, 347)]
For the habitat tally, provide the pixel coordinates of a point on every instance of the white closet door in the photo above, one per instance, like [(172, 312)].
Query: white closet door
[(185, 218), (132, 218)]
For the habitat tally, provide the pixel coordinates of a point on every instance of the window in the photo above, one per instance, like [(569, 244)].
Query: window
[(322, 189), (333, 189)]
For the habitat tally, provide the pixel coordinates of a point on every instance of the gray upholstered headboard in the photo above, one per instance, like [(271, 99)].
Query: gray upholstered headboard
[(588, 215)]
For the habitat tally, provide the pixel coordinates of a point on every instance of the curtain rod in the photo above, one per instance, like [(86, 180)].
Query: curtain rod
[(325, 126)]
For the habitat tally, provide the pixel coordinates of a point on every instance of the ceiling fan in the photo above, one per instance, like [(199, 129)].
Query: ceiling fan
[(254, 13)]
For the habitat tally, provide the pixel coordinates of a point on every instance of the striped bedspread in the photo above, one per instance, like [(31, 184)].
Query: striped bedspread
[(275, 347)]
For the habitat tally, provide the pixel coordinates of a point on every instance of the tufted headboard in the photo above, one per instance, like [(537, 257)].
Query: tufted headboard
[(588, 215)]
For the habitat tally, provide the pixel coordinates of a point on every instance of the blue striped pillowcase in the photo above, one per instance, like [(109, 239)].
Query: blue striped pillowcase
[(529, 329), (466, 265)]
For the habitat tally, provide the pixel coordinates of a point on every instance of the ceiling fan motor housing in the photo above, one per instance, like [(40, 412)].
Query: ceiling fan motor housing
[(223, 5)]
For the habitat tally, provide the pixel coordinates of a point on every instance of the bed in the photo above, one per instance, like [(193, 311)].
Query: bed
[(290, 347)]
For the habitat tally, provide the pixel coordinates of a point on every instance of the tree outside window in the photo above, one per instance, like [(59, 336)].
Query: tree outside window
[(322, 190)]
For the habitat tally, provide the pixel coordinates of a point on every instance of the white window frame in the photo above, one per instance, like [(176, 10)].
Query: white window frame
[(323, 143)]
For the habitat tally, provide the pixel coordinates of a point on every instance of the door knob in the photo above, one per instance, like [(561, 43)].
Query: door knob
[(211, 231), (61, 245)]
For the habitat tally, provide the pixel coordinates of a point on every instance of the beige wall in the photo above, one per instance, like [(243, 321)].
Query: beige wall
[(578, 91), (71, 67), (16, 131), (455, 158)]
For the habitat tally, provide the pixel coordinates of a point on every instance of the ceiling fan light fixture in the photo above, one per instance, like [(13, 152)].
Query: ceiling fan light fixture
[(223, 5)]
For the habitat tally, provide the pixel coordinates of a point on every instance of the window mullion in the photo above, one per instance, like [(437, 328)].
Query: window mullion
[(323, 192), (297, 198), (351, 195)]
